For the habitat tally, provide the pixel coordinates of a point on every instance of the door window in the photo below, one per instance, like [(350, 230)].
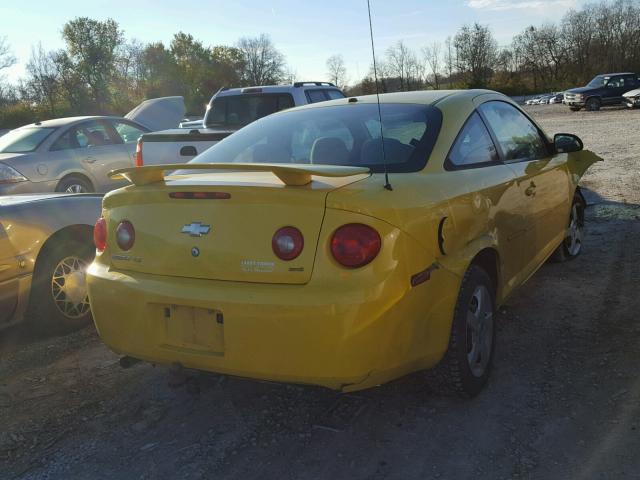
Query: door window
[(92, 134), (128, 133), (615, 82), (473, 145), (517, 136)]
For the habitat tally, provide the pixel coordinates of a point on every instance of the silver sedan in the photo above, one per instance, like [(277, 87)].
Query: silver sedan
[(75, 154)]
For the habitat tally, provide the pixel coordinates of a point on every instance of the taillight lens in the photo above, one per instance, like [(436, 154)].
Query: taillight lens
[(354, 245), (287, 243), (125, 235), (139, 162), (100, 234)]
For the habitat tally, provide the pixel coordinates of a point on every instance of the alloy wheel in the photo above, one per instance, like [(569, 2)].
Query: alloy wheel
[(479, 331), (573, 242)]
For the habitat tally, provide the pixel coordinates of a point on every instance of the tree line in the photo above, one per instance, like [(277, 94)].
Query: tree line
[(100, 72), (599, 38)]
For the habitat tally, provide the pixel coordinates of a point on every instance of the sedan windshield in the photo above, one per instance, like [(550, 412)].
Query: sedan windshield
[(23, 140), (336, 135), (599, 81)]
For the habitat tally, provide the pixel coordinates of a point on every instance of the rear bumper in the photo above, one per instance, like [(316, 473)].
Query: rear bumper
[(314, 334)]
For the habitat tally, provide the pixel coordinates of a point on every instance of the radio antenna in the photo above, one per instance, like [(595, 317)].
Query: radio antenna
[(387, 185)]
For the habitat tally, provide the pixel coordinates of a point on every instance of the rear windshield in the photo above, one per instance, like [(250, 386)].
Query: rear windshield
[(239, 110), (336, 135), (24, 140)]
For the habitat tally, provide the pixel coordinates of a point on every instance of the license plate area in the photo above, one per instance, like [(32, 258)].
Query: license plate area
[(192, 328)]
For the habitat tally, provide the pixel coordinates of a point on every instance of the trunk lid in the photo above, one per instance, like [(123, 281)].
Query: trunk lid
[(227, 239)]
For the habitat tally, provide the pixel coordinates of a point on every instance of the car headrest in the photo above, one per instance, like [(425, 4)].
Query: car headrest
[(395, 151), (329, 151)]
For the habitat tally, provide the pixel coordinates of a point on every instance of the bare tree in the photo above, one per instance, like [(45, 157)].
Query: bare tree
[(449, 58), (42, 85), (6, 58), (400, 62), (433, 58), (263, 63), (337, 71)]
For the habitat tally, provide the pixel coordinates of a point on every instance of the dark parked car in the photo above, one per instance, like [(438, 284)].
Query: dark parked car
[(603, 90)]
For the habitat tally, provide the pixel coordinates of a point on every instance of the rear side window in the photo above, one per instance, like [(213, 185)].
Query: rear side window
[(517, 136), (474, 145), (23, 140), (238, 110), (128, 133)]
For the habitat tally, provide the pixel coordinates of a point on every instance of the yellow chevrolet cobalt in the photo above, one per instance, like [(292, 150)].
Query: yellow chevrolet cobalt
[(318, 246)]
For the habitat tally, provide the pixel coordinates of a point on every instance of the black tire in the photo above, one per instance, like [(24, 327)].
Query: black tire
[(74, 184), (49, 299), (593, 104), (571, 246), (574, 109), (456, 373)]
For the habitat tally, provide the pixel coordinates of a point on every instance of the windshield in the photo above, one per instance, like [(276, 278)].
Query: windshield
[(239, 110), (24, 140), (336, 135), (599, 81)]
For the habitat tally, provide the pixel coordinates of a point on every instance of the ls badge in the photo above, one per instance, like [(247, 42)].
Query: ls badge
[(196, 229)]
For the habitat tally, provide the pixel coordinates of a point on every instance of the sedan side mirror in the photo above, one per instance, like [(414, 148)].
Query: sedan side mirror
[(567, 142)]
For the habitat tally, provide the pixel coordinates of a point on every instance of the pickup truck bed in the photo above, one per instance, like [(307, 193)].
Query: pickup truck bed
[(178, 146)]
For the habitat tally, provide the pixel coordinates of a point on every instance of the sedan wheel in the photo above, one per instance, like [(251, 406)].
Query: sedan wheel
[(69, 287), (58, 301), (76, 188), (571, 246), (479, 331), (466, 365), (573, 242)]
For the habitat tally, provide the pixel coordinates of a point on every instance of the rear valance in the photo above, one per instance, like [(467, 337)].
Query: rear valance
[(293, 175)]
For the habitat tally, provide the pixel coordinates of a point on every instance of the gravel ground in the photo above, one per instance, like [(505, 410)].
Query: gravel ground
[(563, 401)]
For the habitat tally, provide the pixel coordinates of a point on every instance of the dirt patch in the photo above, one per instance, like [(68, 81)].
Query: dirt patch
[(563, 401)]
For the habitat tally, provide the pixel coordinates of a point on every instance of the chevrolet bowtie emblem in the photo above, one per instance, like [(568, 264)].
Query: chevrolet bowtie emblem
[(196, 229)]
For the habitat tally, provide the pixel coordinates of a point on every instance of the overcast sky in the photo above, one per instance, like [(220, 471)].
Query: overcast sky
[(306, 32)]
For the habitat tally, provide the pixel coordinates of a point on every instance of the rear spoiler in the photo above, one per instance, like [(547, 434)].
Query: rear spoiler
[(293, 175)]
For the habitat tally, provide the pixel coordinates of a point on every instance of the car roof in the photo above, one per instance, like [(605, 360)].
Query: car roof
[(424, 97), (276, 88), (65, 121), (612, 74)]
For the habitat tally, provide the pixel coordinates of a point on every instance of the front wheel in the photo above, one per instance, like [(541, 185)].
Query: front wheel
[(571, 246), (593, 104), (467, 363), (73, 184)]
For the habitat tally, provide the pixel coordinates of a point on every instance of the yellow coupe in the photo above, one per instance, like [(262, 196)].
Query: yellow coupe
[(283, 253)]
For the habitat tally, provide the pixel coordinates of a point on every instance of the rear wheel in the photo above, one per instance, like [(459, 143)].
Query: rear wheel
[(467, 363), (58, 300), (593, 104), (74, 184), (571, 246)]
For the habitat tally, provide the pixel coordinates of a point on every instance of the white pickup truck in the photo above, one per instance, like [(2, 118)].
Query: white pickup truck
[(228, 111)]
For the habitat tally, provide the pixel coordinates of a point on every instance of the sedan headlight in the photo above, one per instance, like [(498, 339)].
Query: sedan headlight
[(10, 175)]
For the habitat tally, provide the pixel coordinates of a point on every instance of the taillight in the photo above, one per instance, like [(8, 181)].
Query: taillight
[(100, 234), (139, 162), (287, 243), (125, 235), (354, 245)]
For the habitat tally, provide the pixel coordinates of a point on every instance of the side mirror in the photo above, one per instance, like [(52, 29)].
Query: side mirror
[(567, 142)]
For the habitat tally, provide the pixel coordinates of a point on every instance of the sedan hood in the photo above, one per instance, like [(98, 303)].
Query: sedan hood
[(159, 113), (632, 93)]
